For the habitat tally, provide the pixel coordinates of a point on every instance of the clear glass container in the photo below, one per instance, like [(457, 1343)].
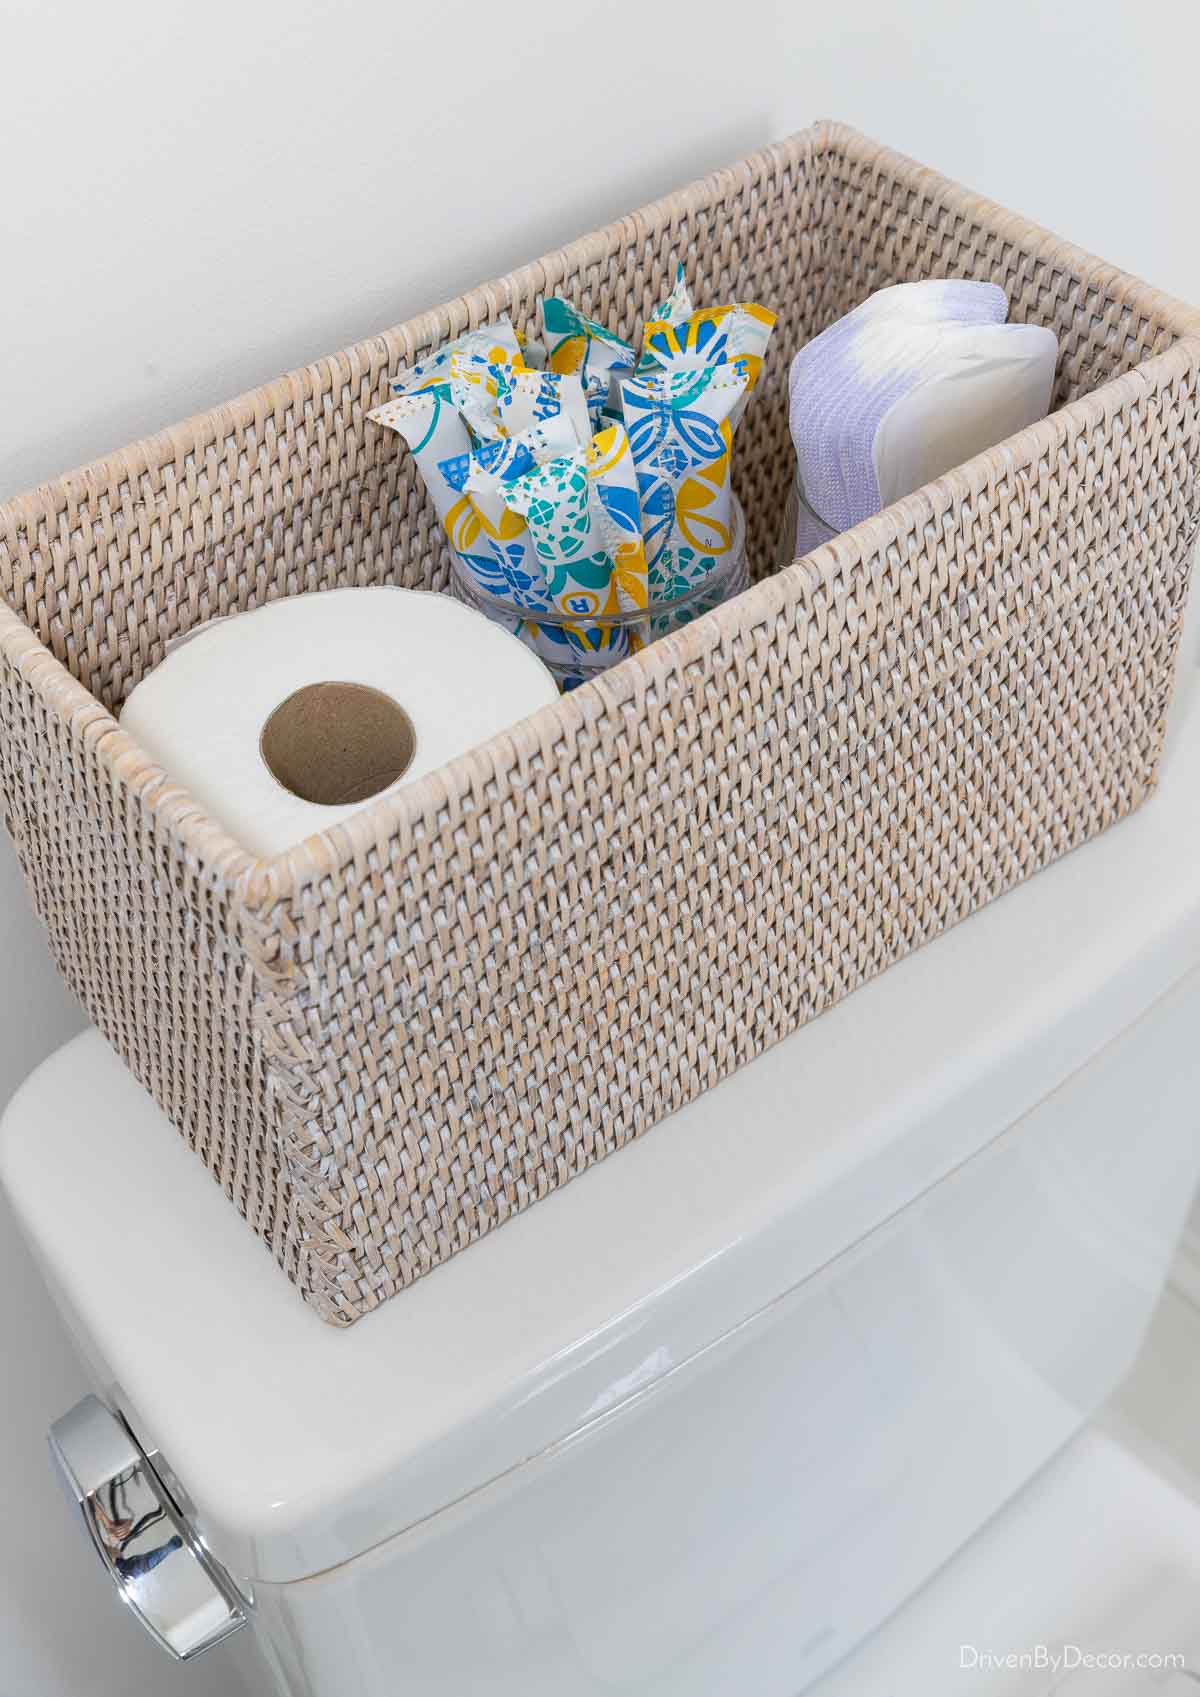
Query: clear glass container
[(803, 528), (577, 649)]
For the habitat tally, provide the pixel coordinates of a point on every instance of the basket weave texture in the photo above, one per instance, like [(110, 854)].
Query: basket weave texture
[(398, 1034)]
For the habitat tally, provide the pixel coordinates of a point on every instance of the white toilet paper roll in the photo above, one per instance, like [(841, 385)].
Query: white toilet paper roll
[(282, 721)]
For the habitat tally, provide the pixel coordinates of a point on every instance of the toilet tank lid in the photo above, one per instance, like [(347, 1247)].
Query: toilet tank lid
[(302, 1445)]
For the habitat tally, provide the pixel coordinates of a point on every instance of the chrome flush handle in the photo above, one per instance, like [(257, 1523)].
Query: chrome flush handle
[(183, 1597)]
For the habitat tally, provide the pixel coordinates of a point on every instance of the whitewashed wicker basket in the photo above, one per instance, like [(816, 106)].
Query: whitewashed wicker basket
[(388, 1040)]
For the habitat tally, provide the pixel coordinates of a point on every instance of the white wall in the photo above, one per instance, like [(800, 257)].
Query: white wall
[(196, 198)]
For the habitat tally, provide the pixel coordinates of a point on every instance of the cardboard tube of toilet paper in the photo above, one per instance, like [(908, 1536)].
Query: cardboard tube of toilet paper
[(283, 721)]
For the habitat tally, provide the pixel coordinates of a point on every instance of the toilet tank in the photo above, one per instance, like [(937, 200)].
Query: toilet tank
[(701, 1420)]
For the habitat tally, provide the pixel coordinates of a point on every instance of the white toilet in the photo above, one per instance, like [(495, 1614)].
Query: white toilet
[(669, 1436)]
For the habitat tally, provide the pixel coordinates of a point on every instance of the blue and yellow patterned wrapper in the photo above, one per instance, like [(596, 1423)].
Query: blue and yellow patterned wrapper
[(617, 519), (433, 403), (716, 336), (515, 574), (676, 307), (496, 557), (575, 343), (507, 458), (578, 483), (680, 435), (495, 344), (533, 397), (555, 501), (434, 429), (582, 512), (497, 401)]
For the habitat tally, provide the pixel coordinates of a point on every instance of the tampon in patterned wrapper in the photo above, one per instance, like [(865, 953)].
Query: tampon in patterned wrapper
[(680, 431), (715, 336), (532, 397), (496, 344), (424, 412), (575, 343), (676, 307), (614, 493), (434, 429), (582, 512), (500, 400), (478, 388), (554, 501), (519, 579), (482, 475)]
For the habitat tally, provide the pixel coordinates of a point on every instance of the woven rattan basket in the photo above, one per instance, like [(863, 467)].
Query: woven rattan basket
[(390, 1039)]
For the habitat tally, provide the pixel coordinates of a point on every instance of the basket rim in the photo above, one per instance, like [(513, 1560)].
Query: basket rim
[(260, 883)]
